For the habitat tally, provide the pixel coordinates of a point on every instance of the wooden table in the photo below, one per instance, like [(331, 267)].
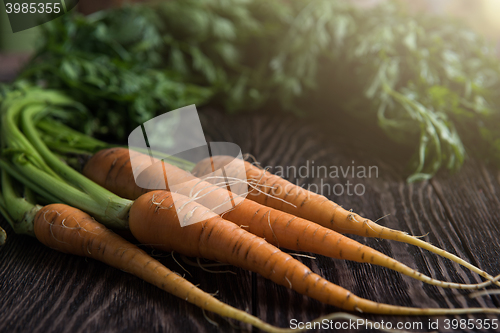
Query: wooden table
[(46, 291)]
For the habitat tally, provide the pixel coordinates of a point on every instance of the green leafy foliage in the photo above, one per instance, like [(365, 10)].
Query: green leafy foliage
[(428, 82), (111, 62), (420, 78)]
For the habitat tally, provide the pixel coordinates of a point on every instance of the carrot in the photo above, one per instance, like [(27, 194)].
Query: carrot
[(154, 219), (112, 169), (273, 191), (70, 230), (294, 233)]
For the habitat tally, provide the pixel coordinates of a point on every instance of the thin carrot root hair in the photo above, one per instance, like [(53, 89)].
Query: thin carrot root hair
[(254, 185), (203, 267), (484, 293), (317, 208), (178, 263)]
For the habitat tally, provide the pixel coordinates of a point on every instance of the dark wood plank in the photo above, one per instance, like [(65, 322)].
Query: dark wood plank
[(45, 291), (471, 202)]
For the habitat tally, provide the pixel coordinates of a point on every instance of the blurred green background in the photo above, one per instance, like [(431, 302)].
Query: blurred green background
[(481, 15), (23, 41)]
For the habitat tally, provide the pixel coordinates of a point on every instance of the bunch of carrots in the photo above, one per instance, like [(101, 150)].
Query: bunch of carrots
[(80, 207)]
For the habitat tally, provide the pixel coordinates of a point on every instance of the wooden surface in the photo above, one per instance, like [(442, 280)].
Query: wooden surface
[(46, 291)]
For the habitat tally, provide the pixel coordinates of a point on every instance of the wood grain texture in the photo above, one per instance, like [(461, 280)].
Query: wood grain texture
[(46, 291)]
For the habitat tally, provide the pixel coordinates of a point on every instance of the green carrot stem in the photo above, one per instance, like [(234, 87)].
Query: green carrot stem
[(12, 171), (14, 137), (177, 161), (3, 211), (29, 195), (107, 209), (67, 140), (65, 148), (34, 163), (61, 133), (21, 213), (95, 192)]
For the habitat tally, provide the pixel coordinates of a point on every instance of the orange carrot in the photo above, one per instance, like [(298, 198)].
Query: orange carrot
[(273, 191), (294, 233), (70, 230), (112, 169), (154, 219)]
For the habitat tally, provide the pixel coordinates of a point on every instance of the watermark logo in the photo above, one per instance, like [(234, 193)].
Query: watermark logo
[(333, 180), (177, 136), (25, 14)]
